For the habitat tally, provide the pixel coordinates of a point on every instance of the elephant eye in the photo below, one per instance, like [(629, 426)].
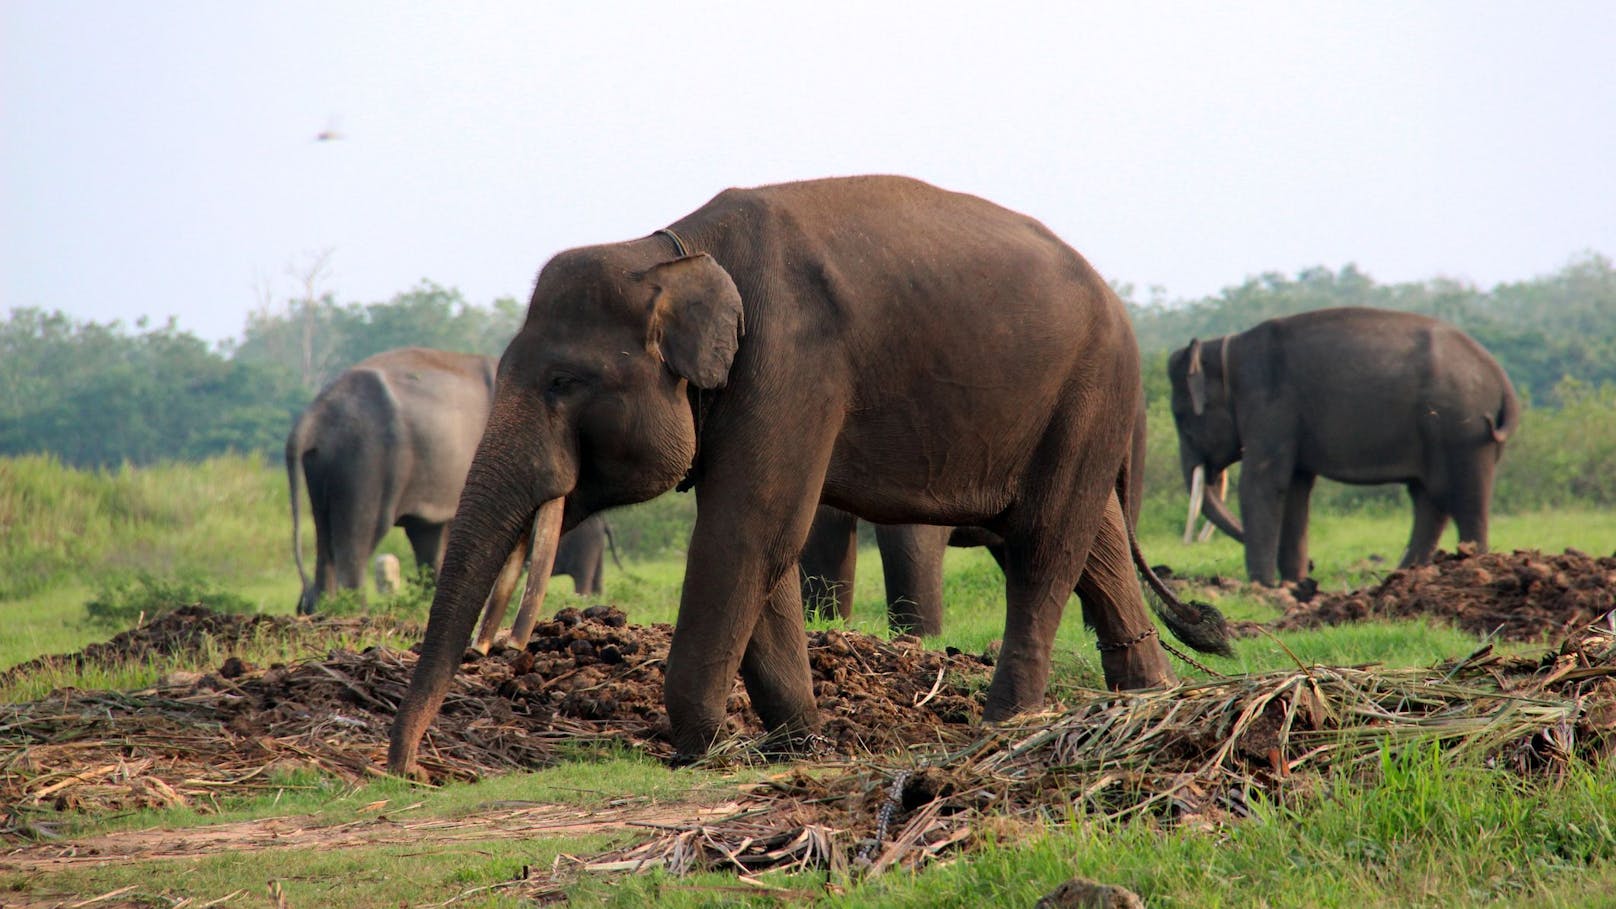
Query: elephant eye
[(562, 384)]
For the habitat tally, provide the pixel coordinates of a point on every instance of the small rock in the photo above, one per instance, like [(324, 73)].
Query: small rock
[(234, 667), (1082, 893), (389, 575)]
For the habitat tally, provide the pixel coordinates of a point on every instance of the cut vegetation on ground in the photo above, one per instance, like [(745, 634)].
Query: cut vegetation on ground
[(904, 776)]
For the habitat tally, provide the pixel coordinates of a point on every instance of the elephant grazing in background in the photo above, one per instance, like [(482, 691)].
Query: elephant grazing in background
[(388, 442), (912, 556), (907, 354), (1353, 394)]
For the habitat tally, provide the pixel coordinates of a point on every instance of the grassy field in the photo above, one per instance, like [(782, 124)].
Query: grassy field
[(1424, 831)]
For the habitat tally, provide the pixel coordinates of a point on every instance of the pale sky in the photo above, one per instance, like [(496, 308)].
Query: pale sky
[(159, 158)]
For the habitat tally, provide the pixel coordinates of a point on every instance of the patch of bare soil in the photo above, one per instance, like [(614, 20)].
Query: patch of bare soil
[(1523, 595), (587, 675)]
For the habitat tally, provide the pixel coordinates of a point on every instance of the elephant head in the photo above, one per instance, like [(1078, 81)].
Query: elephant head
[(592, 405), (1208, 435)]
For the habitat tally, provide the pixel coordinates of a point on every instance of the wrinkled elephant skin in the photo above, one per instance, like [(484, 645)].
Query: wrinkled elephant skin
[(785, 344), (912, 556)]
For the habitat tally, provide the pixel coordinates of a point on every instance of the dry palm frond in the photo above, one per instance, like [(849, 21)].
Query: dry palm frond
[(1198, 750)]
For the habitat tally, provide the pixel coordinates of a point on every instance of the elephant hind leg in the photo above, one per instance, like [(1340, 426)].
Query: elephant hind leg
[(1470, 497), (1130, 651), (912, 566), (829, 563), (1430, 519), (427, 541)]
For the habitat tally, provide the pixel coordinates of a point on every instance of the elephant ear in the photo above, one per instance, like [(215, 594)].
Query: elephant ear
[(696, 319), (1195, 378)]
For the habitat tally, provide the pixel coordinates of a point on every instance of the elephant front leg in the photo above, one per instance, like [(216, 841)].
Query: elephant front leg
[(1293, 529), (733, 607), (1262, 500), (775, 668)]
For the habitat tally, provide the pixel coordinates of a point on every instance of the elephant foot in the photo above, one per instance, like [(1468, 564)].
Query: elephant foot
[(1136, 664), (1003, 704)]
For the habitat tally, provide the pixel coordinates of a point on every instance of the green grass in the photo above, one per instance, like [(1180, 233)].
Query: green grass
[(1427, 832)]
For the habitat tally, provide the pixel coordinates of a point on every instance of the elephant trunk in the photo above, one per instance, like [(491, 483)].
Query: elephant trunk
[(494, 510), (1217, 511)]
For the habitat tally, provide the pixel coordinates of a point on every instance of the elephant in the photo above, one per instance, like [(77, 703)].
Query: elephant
[(388, 442), (1353, 394), (912, 556), (901, 352)]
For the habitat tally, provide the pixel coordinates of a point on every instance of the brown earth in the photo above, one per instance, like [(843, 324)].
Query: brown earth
[(1523, 595), (591, 676), (586, 676)]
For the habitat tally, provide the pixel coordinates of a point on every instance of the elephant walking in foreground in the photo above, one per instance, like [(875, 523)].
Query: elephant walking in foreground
[(912, 556), (389, 442), (1353, 394), (905, 354)]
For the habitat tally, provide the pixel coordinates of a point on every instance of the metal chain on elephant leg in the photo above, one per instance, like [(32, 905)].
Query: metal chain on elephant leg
[(1147, 634), (1192, 661)]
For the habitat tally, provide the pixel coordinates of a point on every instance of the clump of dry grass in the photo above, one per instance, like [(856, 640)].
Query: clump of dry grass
[(1196, 753)]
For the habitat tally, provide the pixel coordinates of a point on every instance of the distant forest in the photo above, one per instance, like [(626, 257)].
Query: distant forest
[(100, 395)]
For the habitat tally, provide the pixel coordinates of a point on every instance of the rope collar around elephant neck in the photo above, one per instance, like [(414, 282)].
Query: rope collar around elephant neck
[(1228, 397), (678, 244)]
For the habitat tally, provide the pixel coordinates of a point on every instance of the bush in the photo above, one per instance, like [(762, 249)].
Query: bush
[(412, 601), (658, 529), (1563, 457), (132, 601)]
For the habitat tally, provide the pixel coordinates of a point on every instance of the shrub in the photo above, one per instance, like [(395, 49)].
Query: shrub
[(130, 601)]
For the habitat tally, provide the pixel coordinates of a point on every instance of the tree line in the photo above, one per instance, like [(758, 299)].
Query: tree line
[(103, 394)]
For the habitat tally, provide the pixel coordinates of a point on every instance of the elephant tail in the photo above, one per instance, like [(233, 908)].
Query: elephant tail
[(611, 543), (1508, 417), (1199, 625), (294, 457)]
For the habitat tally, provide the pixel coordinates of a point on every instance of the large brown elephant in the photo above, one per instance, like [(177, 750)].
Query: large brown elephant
[(912, 556), (1354, 394), (910, 355), (388, 443)]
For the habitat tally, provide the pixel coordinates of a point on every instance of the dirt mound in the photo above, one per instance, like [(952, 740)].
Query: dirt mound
[(1523, 595), (190, 631), (592, 666), (587, 675)]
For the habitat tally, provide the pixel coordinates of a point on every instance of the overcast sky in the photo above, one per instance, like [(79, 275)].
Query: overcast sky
[(160, 160)]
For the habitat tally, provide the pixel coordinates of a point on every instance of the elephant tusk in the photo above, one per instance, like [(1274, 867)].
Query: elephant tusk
[(1197, 492), (1223, 496), (546, 540)]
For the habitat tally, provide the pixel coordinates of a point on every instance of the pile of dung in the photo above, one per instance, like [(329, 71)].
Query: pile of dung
[(1523, 595), (586, 676)]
